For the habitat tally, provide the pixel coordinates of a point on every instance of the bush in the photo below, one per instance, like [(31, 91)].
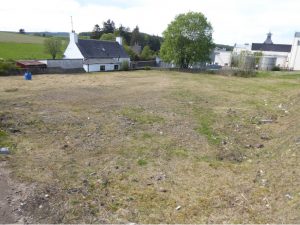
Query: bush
[(147, 68), (7, 67), (244, 73), (125, 66), (276, 68)]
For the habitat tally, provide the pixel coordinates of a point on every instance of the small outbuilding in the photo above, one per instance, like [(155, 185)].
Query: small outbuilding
[(31, 64)]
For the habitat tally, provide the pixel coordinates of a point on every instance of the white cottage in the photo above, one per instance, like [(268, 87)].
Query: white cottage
[(269, 49), (287, 56), (97, 55)]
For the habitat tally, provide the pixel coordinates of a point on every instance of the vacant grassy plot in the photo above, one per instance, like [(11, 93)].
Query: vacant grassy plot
[(20, 46), (155, 147)]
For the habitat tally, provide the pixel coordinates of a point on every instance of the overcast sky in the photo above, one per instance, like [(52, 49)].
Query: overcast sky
[(234, 21)]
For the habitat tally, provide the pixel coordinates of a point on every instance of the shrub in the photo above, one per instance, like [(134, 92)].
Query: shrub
[(147, 68), (276, 68), (244, 73), (7, 67), (125, 66)]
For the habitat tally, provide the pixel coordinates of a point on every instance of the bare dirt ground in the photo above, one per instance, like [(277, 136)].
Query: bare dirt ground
[(150, 147), (6, 210)]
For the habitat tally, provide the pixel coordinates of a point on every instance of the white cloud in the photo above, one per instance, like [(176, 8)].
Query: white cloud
[(233, 20)]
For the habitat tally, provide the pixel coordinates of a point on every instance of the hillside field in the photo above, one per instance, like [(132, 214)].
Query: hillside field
[(153, 147), (19, 46)]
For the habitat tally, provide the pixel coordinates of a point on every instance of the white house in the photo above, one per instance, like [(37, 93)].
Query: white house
[(221, 57), (287, 56), (97, 55), (269, 49)]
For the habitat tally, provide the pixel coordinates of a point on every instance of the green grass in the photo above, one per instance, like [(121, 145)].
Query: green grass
[(206, 122), (142, 162), (22, 51), (18, 46), (3, 138)]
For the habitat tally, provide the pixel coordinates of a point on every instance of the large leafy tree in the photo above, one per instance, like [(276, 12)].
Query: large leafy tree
[(147, 53), (53, 46), (187, 40)]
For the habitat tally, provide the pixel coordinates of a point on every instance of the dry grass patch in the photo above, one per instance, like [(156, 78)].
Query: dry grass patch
[(133, 147)]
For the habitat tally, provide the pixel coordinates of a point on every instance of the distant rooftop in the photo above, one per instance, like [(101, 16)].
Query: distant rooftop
[(271, 47)]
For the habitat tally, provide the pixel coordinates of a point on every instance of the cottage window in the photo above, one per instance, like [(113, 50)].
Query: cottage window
[(116, 67), (102, 68)]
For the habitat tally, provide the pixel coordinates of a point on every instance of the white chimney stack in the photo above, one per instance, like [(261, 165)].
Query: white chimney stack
[(73, 37), (119, 40)]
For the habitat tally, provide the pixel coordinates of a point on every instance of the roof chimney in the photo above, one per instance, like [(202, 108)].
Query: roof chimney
[(269, 39), (73, 37), (119, 40)]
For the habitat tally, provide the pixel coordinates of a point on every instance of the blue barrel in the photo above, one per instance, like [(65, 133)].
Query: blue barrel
[(28, 75)]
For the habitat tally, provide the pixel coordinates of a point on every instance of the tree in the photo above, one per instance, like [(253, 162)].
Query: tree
[(135, 36), (108, 37), (123, 32), (154, 42), (53, 46), (108, 26), (257, 56), (147, 53), (96, 33), (133, 56), (22, 31), (187, 40)]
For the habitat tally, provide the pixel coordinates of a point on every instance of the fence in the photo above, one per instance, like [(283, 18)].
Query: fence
[(141, 64)]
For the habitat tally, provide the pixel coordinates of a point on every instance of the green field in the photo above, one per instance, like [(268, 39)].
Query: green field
[(22, 51), (20, 46)]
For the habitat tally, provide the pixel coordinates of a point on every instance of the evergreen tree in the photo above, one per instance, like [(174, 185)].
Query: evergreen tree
[(135, 36), (96, 33), (108, 26)]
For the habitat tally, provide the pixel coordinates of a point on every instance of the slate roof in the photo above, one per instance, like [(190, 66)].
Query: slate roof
[(101, 49), (271, 47)]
